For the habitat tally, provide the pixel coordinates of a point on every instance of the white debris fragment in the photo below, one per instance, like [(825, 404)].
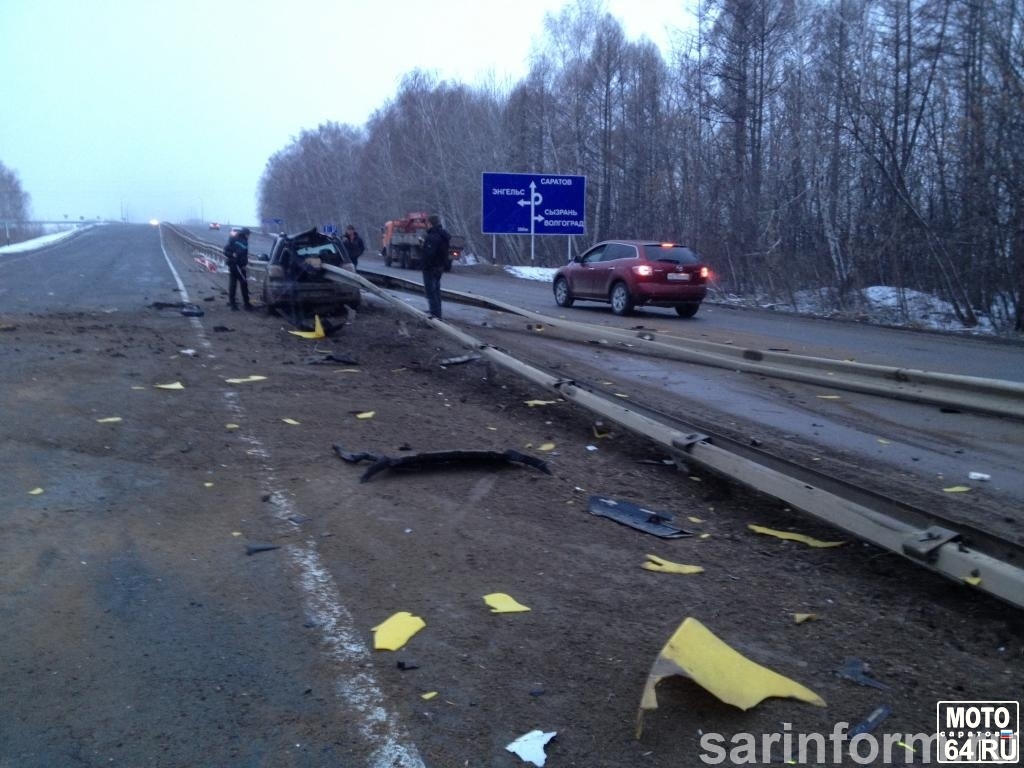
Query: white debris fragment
[(978, 476), (530, 746)]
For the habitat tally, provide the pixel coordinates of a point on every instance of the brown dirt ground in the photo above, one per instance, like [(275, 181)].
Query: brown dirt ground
[(434, 543)]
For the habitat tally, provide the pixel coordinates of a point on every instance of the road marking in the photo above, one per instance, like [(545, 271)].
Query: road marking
[(323, 603)]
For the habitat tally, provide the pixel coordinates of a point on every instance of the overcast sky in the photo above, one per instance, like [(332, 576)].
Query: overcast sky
[(171, 109)]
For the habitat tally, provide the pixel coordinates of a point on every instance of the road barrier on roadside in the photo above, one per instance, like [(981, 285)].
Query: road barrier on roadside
[(937, 548)]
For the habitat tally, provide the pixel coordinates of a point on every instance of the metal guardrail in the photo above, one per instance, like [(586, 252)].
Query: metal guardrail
[(939, 549)]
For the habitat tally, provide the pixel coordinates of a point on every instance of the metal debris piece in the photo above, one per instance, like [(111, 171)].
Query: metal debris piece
[(640, 518), (439, 459), (459, 360), (870, 722), (856, 670)]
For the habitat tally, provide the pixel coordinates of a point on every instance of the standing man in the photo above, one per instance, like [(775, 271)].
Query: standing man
[(236, 255), (354, 245), (435, 257)]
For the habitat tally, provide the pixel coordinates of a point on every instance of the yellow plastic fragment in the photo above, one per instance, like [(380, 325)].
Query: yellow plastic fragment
[(660, 565), (694, 519), (620, 394), (246, 380), (395, 632), (293, 422), (883, 441), (137, 386), (974, 581), (172, 385), (230, 427), (547, 447), (236, 533), (428, 695), (957, 489), (35, 492), (366, 415), (705, 535), (109, 420), (316, 333), (502, 603), (800, 618), (694, 651), (347, 370), (789, 536), (828, 397), (207, 484), (534, 403)]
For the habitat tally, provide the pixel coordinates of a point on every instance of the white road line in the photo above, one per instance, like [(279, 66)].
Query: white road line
[(323, 603)]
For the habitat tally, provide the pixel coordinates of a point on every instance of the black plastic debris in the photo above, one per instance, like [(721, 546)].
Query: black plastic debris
[(439, 460), (856, 671), (191, 310), (252, 549), (635, 516), (407, 665), (332, 358)]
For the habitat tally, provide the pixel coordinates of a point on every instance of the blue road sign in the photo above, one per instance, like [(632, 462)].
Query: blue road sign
[(533, 204), (330, 229)]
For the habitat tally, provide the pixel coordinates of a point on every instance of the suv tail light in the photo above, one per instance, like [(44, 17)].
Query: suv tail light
[(705, 273), (642, 270)]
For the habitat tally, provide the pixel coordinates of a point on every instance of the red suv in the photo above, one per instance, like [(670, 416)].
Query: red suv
[(632, 273)]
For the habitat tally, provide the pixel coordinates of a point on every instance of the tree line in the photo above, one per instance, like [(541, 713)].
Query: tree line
[(825, 145)]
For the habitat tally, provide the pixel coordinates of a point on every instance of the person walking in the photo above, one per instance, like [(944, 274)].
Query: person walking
[(435, 257), (353, 244), (236, 256)]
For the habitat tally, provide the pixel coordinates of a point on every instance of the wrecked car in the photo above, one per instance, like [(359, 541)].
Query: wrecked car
[(295, 282)]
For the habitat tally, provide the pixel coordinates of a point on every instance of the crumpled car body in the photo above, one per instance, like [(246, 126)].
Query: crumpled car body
[(295, 282)]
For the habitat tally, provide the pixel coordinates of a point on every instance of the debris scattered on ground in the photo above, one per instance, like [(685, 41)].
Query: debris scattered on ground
[(396, 630), (172, 385), (191, 310), (790, 536), (978, 476), (536, 403), (293, 422), (856, 671), (252, 549), (502, 603), (460, 360), (36, 492), (109, 420), (695, 652), (870, 722), (316, 333), (331, 359), (632, 515), (439, 459), (957, 489), (428, 695), (246, 380), (660, 565), (405, 666), (801, 618), (530, 746)]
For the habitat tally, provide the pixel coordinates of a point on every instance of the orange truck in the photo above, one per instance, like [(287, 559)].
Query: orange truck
[(402, 242)]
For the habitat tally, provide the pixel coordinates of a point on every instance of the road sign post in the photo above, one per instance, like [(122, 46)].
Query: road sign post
[(533, 204)]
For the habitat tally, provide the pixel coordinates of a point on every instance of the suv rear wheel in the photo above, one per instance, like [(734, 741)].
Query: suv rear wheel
[(622, 302), (687, 310)]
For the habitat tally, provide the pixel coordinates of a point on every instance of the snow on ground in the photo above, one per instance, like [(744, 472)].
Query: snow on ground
[(39, 242)]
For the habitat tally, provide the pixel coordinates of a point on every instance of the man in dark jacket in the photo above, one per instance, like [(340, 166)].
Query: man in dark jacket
[(236, 256), (435, 257), (354, 245)]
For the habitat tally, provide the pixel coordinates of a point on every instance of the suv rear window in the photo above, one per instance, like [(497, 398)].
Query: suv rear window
[(676, 254)]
